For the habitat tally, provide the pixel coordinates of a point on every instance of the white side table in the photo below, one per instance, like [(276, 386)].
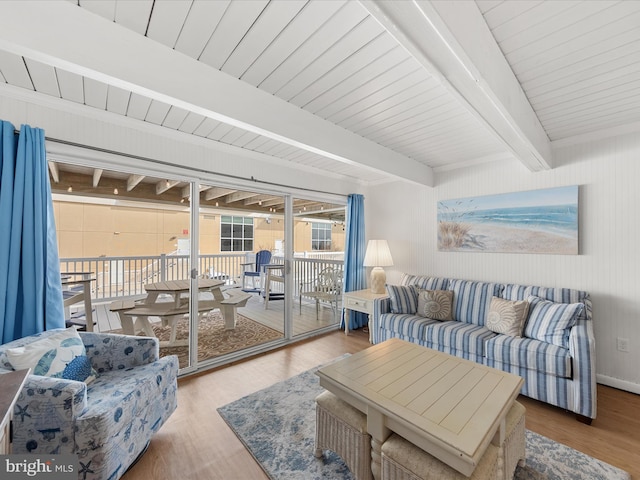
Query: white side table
[(359, 301)]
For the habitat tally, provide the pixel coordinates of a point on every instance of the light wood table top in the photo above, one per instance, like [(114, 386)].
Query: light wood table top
[(450, 407), (181, 286), (176, 288)]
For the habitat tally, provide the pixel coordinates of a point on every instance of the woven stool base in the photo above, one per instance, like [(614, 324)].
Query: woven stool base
[(514, 443), (342, 429), (402, 460)]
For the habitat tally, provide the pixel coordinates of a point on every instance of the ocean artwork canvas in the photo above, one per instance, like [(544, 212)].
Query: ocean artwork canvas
[(536, 221)]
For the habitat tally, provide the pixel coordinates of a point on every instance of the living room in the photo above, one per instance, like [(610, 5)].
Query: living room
[(595, 150)]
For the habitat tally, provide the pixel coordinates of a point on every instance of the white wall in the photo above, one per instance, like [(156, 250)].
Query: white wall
[(608, 173)]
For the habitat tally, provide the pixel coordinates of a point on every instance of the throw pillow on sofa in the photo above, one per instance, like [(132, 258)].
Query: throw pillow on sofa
[(551, 322), (436, 304), (61, 355), (507, 316), (471, 300), (404, 299)]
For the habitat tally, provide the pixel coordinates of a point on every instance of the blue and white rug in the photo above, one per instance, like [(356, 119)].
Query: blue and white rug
[(277, 425)]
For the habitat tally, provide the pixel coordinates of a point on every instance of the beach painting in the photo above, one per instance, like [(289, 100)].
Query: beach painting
[(536, 221)]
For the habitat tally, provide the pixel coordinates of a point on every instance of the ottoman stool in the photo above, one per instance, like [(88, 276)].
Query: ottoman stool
[(513, 448), (402, 460), (400, 464), (343, 430)]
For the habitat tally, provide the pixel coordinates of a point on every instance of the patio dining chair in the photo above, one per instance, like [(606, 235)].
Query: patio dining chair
[(326, 287), (254, 270)]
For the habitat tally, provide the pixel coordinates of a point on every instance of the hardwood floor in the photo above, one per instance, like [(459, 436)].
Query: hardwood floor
[(197, 444)]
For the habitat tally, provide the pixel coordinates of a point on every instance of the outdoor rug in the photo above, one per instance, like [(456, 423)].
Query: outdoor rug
[(213, 339), (277, 425)]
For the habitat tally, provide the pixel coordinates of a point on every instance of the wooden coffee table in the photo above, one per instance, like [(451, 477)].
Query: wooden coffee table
[(449, 407)]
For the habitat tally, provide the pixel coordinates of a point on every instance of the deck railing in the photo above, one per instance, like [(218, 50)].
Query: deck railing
[(126, 276)]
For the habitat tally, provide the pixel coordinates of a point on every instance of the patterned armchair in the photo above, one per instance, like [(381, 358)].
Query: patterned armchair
[(107, 423)]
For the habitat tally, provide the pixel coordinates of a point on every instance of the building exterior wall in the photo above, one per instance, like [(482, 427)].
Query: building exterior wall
[(92, 230)]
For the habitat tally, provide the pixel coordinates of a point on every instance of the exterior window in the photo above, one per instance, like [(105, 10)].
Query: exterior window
[(320, 236), (236, 234)]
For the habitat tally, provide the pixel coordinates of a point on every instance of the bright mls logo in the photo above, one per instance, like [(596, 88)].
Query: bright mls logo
[(50, 467)]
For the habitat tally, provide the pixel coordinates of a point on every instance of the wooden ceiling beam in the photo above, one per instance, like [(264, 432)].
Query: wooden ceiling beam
[(55, 174), (273, 203), (260, 199), (217, 192), (164, 185), (453, 42), (144, 192), (83, 185), (186, 191), (133, 180), (171, 77), (97, 173), (238, 196)]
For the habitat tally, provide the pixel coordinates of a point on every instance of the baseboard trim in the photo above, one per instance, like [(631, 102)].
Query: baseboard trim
[(617, 383)]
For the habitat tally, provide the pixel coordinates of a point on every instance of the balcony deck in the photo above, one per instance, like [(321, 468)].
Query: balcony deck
[(119, 278), (303, 323)]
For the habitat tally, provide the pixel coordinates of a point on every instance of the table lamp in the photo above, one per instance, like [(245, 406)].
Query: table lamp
[(378, 256)]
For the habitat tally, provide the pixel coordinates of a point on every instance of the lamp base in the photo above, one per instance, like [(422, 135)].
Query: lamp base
[(378, 280)]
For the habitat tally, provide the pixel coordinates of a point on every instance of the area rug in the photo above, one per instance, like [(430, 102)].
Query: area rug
[(277, 425), (213, 339)]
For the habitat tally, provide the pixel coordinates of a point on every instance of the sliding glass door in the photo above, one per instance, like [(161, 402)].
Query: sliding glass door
[(241, 236), (130, 235), (216, 272), (319, 233)]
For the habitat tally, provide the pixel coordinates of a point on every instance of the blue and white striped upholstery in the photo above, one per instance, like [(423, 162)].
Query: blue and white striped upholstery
[(458, 336), (407, 325), (530, 354), (564, 377), (404, 299), (558, 295), (583, 388), (551, 322), (471, 300), (424, 282), (550, 389), (578, 394)]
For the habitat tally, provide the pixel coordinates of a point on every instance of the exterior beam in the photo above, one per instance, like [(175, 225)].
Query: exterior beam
[(133, 180), (97, 173), (217, 192), (55, 172), (164, 185)]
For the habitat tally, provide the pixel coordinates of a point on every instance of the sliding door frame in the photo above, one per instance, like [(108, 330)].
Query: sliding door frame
[(88, 157)]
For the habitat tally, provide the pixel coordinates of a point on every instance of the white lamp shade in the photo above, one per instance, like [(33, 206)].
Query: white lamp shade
[(378, 254)]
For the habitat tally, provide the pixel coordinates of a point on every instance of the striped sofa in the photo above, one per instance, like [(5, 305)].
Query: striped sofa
[(556, 359)]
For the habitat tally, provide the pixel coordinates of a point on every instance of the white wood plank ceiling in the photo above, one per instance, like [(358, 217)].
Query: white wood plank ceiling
[(360, 70), (577, 61)]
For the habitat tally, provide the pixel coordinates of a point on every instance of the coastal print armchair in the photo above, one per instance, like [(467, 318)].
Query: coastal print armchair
[(108, 422)]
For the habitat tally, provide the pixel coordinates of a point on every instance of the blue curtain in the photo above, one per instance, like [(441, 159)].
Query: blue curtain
[(30, 287), (355, 277)]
